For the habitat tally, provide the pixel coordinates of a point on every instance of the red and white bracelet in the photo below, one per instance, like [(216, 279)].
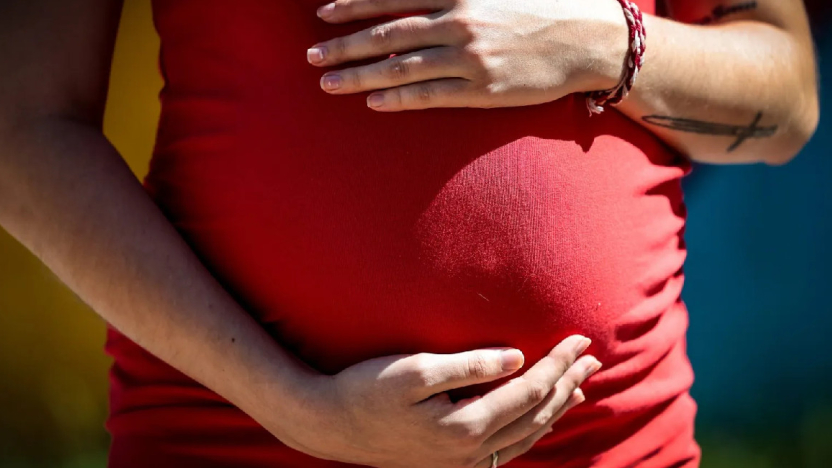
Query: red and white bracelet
[(596, 100)]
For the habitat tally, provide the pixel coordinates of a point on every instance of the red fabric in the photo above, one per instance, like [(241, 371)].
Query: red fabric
[(351, 234)]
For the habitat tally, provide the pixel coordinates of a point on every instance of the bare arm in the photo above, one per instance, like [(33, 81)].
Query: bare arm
[(67, 195), (738, 86), (740, 89)]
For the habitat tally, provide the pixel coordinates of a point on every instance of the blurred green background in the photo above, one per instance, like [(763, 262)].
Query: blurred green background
[(758, 282)]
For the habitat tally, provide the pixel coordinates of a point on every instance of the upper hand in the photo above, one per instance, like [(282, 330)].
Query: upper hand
[(394, 412), (474, 53)]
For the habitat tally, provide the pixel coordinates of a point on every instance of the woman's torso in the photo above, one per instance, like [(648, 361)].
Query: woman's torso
[(351, 234)]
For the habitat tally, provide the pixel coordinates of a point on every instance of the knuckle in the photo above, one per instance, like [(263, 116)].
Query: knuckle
[(354, 79), (420, 361), (462, 24), (462, 432), (560, 363), (471, 50), (396, 97), (407, 25), (567, 349), (476, 434), (536, 390), (449, 58), (475, 54), (465, 432), (573, 381), (454, 431), (381, 35), (423, 93), (419, 372), (388, 34), (452, 55), (478, 367), (541, 419), (338, 47), (398, 69), (494, 89)]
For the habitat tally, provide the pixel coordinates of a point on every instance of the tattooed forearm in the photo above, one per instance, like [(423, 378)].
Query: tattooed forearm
[(722, 11), (741, 133)]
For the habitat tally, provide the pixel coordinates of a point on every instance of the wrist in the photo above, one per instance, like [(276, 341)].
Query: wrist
[(308, 416), (607, 47), (280, 392), (305, 401)]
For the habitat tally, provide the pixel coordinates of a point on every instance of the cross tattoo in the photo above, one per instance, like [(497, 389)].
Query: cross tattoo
[(742, 133)]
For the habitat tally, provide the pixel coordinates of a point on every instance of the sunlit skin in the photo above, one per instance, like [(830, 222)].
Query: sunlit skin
[(493, 53), (66, 195)]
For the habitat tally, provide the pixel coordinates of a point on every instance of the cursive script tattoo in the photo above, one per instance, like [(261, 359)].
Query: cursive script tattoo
[(722, 11), (742, 133)]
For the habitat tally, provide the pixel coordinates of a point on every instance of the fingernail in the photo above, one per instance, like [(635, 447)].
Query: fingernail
[(582, 345), (326, 10), (316, 54), (512, 359), (377, 100), (593, 367), (331, 82)]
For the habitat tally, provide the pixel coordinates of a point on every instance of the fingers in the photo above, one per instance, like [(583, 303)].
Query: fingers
[(450, 92), (424, 375), (502, 406), (401, 35), (513, 451), (545, 414), (574, 400), (424, 65), (342, 11)]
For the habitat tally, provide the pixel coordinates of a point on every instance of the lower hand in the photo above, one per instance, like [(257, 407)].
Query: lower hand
[(394, 412), (474, 53)]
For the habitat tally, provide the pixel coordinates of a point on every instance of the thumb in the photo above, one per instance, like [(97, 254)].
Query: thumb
[(443, 372)]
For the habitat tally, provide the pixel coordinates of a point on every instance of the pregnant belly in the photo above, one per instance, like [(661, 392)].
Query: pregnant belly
[(380, 235)]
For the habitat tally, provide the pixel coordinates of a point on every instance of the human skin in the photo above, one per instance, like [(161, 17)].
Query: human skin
[(740, 88), (67, 195)]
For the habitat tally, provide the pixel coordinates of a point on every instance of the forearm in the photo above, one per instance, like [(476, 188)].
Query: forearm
[(723, 77), (67, 195)]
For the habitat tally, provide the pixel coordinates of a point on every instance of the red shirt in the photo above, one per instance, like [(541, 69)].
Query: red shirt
[(351, 234)]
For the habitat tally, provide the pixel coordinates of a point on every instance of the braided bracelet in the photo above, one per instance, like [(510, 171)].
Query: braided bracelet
[(596, 100)]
